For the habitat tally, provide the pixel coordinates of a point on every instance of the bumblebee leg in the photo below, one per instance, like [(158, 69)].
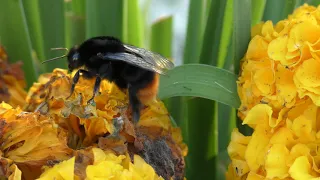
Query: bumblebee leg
[(95, 89), (134, 103), (75, 79)]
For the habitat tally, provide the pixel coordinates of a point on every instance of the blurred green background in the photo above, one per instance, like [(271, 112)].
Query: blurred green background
[(205, 38)]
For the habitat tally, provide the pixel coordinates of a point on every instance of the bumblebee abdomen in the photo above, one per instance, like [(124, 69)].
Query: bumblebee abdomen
[(150, 91)]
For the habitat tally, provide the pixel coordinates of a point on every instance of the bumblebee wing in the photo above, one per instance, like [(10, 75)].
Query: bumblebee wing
[(134, 60), (156, 59)]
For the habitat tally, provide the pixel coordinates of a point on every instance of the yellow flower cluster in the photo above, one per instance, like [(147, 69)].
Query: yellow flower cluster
[(12, 81), (106, 165), (63, 137), (279, 88)]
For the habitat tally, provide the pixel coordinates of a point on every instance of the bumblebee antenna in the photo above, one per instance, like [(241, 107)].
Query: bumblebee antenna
[(66, 49)]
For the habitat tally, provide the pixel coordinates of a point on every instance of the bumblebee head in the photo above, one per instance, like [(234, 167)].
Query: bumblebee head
[(73, 58)]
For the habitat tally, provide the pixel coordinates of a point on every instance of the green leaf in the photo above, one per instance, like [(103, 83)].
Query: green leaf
[(313, 2), (104, 17), (241, 38), (241, 30), (133, 26), (276, 10), (226, 33), (205, 81), (289, 7), (202, 139), (257, 11), (161, 36), (75, 14), (212, 34), (14, 36), (32, 14), (52, 22), (195, 29), (161, 42)]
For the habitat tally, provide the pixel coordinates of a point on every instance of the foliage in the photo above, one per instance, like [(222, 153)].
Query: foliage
[(218, 34)]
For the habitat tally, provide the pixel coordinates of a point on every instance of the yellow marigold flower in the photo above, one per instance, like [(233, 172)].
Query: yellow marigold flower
[(100, 136), (284, 150), (106, 165), (30, 140), (61, 171), (281, 64), (12, 81)]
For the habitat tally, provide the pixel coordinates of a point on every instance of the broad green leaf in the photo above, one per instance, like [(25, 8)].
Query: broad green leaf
[(133, 30), (14, 36), (199, 80), (104, 18), (257, 11), (52, 26), (195, 29)]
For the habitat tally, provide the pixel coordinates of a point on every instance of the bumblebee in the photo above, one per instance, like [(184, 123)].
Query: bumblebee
[(130, 68)]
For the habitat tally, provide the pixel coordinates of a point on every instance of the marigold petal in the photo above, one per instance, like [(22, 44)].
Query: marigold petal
[(240, 166), (301, 169), (277, 48), (286, 89), (16, 174), (264, 80), (254, 176), (275, 164), (259, 114), (302, 126), (257, 148), (282, 136), (305, 31), (257, 48), (308, 73), (61, 171)]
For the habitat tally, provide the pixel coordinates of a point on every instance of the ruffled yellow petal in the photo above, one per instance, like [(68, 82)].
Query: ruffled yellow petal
[(16, 175), (276, 165), (257, 148), (301, 169), (61, 171), (259, 114), (257, 48), (279, 89), (285, 87), (277, 48)]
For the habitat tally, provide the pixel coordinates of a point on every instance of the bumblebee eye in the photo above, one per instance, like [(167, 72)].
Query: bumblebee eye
[(75, 57)]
